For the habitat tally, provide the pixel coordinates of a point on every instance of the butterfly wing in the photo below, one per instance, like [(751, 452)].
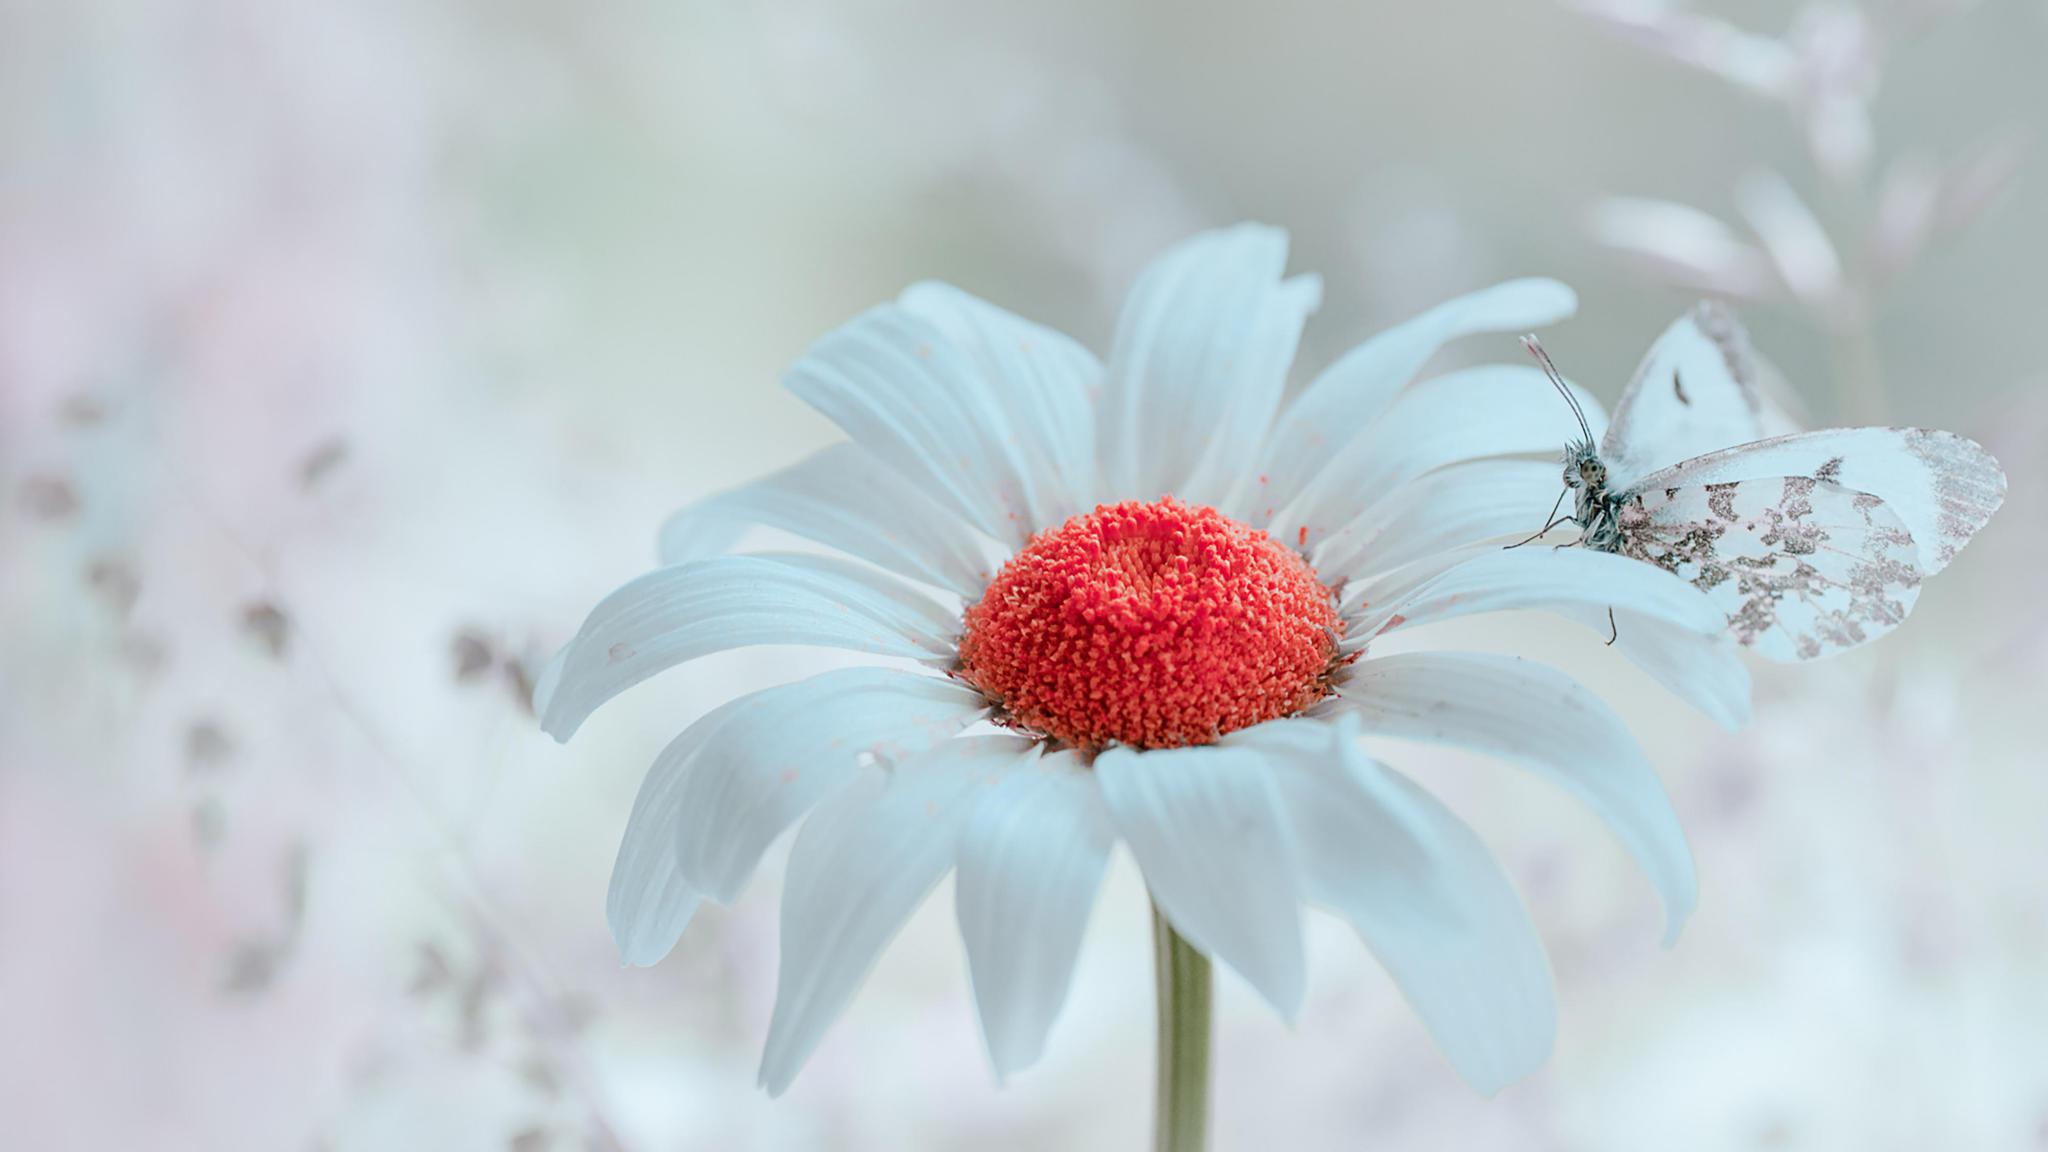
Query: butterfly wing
[(1803, 568), (1695, 392), (1941, 486)]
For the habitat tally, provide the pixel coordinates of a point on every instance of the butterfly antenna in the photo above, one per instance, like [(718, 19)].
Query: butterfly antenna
[(1535, 348)]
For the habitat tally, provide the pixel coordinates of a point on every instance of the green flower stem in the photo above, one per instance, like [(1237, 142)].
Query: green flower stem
[(1184, 986)]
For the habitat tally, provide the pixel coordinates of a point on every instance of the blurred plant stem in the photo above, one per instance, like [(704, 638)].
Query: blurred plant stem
[(548, 1017), (1181, 1123), (1852, 324), (1859, 378)]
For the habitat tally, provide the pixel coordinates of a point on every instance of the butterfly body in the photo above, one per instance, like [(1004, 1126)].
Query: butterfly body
[(1812, 542), (1595, 509)]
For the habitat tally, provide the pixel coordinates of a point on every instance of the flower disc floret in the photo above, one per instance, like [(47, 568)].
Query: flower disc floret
[(1156, 625)]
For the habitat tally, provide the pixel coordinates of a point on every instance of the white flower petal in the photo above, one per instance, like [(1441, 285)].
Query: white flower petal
[(672, 615), (1440, 511), (1429, 901), (1211, 841), (862, 864), (1490, 410), (1502, 580), (1386, 590), (1199, 364), (905, 392), (1545, 720), (1704, 671), (750, 769), (1045, 384), (1697, 664), (1031, 859), (843, 498), (649, 904), (1349, 395)]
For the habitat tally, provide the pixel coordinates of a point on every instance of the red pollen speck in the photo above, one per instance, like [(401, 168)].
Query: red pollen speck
[(1154, 625)]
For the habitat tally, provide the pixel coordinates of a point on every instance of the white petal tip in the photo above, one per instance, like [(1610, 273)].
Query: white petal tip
[(1008, 1064), (1681, 901), (1488, 1089), (724, 890), (559, 728), (638, 954), (1309, 287), (1287, 1004), (1674, 928), (1493, 1081), (1532, 302), (544, 692), (1549, 301)]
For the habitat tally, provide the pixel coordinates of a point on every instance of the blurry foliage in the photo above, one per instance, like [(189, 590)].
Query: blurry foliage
[(1825, 72), (255, 963), (476, 654), (322, 462), (1824, 257), (266, 624), (49, 497)]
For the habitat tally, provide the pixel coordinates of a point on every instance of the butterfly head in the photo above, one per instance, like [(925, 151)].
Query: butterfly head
[(1583, 467)]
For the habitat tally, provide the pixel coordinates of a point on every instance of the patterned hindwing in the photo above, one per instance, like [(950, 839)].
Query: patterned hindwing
[(1804, 568), (1942, 486)]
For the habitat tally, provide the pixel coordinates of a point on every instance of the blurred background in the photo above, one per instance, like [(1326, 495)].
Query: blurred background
[(350, 351)]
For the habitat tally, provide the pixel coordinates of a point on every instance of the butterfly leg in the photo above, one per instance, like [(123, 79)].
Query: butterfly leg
[(1554, 518), (1613, 632)]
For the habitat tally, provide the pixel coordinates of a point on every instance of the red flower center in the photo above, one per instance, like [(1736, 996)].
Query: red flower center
[(1155, 625)]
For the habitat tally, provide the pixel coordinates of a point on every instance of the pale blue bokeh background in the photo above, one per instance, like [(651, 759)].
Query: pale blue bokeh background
[(349, 351)]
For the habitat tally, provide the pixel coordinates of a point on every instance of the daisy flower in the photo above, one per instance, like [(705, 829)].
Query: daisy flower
[(1138, 603)]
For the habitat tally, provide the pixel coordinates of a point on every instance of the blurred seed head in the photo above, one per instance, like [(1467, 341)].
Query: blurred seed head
[(49, 498), (252, 968), (114, 580), (322, 462), (145, 652), (266, 624), (208, 746), (473, 654), (82, 410)]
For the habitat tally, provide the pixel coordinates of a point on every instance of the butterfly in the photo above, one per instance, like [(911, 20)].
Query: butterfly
[(1812, 542)]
